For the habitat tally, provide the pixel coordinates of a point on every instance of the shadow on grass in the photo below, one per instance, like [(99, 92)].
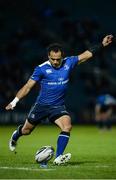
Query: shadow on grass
[(78, 163)]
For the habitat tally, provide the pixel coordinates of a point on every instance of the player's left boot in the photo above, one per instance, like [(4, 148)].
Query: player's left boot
[(12, 143), (62, 159)]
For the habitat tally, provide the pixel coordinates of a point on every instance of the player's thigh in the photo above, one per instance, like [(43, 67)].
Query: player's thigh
[(109, 112)]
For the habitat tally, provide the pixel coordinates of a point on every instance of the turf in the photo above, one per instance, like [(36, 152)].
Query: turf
[(93, 154)]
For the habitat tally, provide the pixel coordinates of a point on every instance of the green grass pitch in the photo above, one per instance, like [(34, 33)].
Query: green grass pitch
[(93, 154)]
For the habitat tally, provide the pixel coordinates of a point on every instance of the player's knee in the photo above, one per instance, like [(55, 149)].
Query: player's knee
[(26, 131), (68, 128)]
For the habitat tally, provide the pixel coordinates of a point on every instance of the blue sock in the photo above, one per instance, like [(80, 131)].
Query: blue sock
[(62, 142), (17, 134)]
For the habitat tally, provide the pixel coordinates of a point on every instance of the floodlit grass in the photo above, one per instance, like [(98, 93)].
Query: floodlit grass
[(93, 154)]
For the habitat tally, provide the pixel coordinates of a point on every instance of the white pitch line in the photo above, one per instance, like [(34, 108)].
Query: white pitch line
[(102, 166), (26, 169), (47, 169), (96, 166)]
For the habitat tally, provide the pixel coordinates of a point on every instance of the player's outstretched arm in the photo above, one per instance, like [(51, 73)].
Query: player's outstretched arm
[(21, 93), (94, 49)]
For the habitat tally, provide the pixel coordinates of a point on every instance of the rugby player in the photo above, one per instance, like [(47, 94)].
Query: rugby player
[(53, 76), (105, 104)]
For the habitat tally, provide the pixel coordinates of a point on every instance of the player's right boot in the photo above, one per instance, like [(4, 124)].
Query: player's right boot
[(12, 143), (62, 159)]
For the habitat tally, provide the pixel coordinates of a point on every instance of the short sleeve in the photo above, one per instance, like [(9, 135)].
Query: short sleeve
[(100, 99), (37, 74), (74, 61)]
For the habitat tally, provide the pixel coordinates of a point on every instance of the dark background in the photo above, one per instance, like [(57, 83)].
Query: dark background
[(28, 27)]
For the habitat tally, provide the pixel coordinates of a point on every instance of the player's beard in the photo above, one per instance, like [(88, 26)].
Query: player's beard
[(58, 66)]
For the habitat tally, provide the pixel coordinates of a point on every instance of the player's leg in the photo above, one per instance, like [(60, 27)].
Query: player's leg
[(107, 119), (25, 129), (99, 124), (64, 123), (60, 116)]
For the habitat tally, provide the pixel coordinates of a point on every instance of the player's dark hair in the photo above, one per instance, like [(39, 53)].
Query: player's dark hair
[(55, 47)]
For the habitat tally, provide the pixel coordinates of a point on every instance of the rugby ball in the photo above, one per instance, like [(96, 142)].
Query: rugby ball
[(44, 154)]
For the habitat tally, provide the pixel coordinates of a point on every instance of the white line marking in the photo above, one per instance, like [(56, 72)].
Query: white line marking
[(102, 166), (88, 166), (26, 169), (48, 169)]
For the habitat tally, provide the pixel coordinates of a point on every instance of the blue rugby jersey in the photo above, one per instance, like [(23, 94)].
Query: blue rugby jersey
[(106, 99), (53, 81)]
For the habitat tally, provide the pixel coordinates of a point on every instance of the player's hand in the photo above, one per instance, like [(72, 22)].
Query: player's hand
[(107, 40), (9, 106), (12, 104)]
